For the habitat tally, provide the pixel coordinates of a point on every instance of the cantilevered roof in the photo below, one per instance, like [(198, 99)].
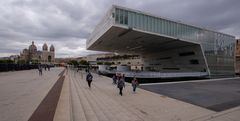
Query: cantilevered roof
[(124, 40)]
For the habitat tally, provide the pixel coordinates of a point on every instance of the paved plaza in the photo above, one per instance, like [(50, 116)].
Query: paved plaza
[(22, 91)]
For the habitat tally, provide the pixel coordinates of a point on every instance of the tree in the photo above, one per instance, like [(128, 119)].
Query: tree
[(21, 62), (99, 63), (73, 62), (6, 61), (107, 63), (83, 62)]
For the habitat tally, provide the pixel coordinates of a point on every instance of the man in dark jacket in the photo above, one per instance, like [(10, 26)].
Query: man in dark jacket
[(89, 79), (120, 85)]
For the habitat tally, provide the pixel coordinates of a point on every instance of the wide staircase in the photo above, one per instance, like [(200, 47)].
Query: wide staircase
[(95, 104), (102, 102)]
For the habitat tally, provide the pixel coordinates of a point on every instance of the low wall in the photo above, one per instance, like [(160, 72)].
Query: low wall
[(16, 67)]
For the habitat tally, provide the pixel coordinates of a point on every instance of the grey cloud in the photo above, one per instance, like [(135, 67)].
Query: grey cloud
[(9, 51), (68, 23)]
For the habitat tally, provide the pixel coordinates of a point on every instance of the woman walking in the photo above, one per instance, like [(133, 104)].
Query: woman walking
[(120, 85), (134, 84)]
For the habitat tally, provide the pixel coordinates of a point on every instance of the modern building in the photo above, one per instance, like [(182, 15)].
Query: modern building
[(33, 55), (92, 58), (165, 46)]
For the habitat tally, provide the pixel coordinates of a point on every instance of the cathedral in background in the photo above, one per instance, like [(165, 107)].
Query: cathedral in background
[(32, 55)]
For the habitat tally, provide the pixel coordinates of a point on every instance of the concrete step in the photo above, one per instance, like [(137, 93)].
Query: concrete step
[(171, 109), (64, 107), (101, 104), (88, 110), (124, 113), (77, 108), (117, 110), (96, 108), (130, 105), (142, 106)]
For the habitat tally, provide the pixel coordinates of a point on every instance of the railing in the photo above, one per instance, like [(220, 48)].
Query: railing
[(148, 74), (165, 75)]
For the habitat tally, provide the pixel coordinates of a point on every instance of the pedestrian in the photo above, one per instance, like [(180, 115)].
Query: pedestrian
[(45, 67), (118, 77), (114, 78), (123, 76), (40, 70), (78, 69), (134, 84), (89, 79), (48, 66), (120, 85)]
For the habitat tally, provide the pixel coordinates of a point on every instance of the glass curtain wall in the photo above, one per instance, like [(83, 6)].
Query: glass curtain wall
[(218, 47)]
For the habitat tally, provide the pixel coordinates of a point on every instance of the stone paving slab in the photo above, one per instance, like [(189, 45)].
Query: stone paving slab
[(22, 91)]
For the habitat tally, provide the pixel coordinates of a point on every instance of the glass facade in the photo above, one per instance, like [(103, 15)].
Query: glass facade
[(218, 48)]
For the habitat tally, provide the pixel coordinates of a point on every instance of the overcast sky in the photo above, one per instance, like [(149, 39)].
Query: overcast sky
[(67, 23)]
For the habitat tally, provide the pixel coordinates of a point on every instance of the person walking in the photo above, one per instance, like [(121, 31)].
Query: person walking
[(66, 68), (40, 70), (89, 79), (120, 85), (134, 84), (45, 67), (114, 78), (48, 66)]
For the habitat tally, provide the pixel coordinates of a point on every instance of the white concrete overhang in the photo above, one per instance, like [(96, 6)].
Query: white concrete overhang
[(122, 39)]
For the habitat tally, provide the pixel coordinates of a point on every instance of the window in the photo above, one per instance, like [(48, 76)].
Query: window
[(126, 17), (194, 62), (171, 68), (121, 16), (117, 16), (165, 58), (137, 21), (142, 21), (186, 54)]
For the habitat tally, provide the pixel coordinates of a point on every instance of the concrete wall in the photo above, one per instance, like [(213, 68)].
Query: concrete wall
[(171, 61)]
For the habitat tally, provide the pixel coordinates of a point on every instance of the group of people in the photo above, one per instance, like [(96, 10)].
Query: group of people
[(40, 68), (119, 80)]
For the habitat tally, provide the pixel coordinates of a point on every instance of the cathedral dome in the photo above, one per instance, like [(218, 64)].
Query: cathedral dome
[(52, 48), (45, 47), (32, 48)]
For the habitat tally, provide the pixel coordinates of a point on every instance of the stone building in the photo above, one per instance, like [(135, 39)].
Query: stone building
[(237, 54), (32, 55)]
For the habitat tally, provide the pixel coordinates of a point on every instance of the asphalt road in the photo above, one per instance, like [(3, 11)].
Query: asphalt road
[(214, 95)]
